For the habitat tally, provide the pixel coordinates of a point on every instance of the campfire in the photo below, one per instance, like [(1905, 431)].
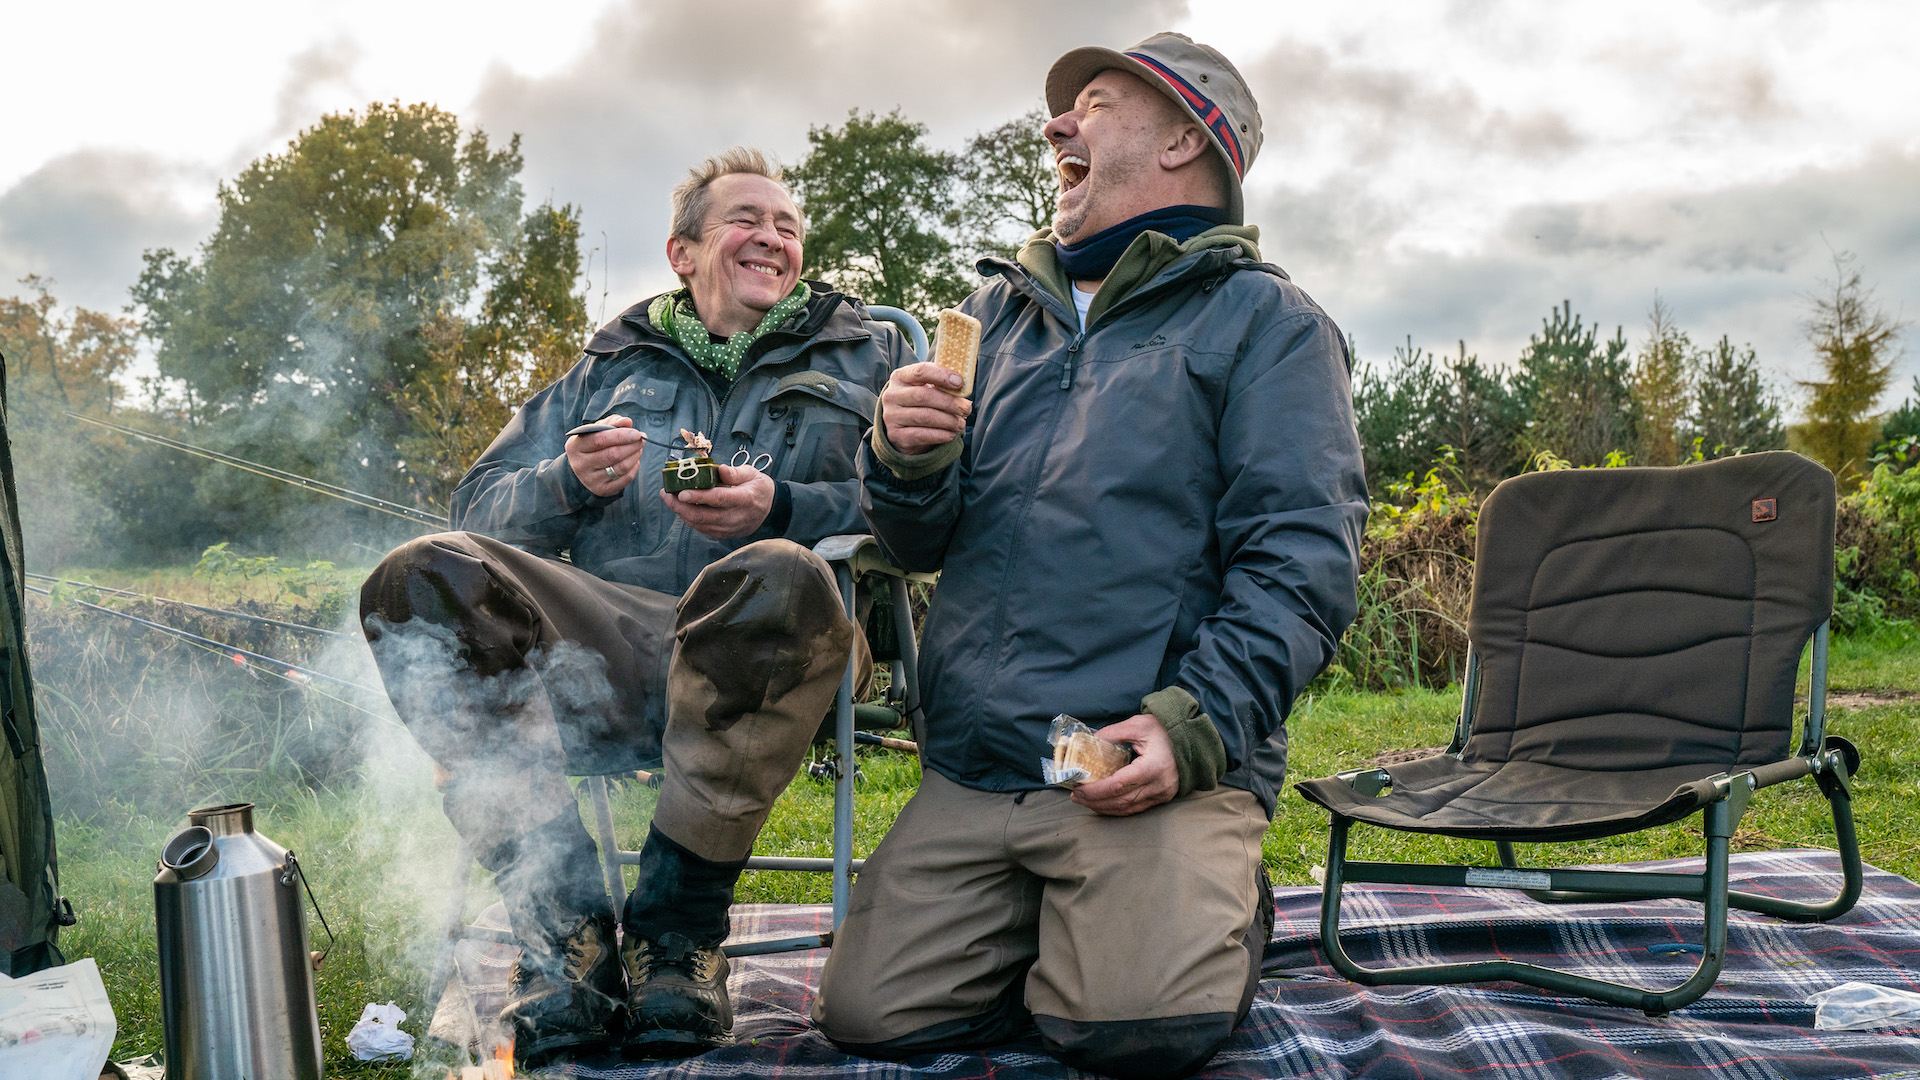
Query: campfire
[(500, 1068)]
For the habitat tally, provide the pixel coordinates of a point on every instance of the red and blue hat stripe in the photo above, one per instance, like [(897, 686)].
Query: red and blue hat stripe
[(1203, 106)]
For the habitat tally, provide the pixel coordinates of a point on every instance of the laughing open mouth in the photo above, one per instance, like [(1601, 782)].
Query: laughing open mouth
[(1073, 171), (762, 268)]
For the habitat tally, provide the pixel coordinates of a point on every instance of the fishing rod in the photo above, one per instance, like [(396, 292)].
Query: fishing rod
[(218, 646), (370, 502), (283, 624)]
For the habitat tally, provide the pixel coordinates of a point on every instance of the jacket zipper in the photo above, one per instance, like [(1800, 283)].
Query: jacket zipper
[(1073, 348)]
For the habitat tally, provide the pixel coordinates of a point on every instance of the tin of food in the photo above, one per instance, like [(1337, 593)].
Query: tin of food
[(695, 472)]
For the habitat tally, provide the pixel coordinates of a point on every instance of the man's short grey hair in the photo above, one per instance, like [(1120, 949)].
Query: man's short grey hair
[(693, 198)]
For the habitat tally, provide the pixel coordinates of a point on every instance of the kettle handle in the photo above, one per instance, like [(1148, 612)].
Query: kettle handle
[(288, 869)]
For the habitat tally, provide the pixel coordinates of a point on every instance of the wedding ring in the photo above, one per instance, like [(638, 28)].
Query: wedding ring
[(612, 473)]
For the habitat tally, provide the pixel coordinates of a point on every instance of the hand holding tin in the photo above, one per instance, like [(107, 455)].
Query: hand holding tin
[(735, 506)]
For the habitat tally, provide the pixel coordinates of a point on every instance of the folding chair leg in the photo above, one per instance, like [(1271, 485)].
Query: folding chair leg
[(1834, 785), (453, 927), (609, 849), (1721, 818), (909, 659), (843, 783)]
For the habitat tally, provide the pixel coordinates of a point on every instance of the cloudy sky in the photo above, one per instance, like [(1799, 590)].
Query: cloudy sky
[(1441, 170)]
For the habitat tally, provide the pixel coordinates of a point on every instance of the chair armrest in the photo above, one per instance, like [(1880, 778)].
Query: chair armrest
[(861, 553)]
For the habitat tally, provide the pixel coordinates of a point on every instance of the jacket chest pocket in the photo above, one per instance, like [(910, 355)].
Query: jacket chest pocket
[(651, 404), (812, 424)]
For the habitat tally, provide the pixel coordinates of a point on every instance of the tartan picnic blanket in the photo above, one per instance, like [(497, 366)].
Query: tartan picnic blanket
[(1309, 1021)]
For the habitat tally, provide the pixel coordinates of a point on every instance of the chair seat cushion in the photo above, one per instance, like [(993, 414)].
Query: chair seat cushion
[(1521, 801)]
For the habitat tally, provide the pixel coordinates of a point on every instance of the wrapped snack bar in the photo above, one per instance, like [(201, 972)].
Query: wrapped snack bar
[(1079, 755)]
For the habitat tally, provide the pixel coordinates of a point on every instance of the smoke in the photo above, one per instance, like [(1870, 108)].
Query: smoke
[(499, 769)]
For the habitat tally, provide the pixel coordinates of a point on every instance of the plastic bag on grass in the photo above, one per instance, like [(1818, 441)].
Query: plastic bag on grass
[(1858, 1006)]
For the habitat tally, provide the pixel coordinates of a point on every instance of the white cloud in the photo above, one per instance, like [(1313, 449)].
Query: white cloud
[(1446, 170), (84, 217)]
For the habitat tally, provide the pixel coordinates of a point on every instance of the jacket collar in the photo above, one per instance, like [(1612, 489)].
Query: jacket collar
[(1206, 255), (828, 316)]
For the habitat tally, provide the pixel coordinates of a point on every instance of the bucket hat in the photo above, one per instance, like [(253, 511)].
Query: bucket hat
[(1196, 77)]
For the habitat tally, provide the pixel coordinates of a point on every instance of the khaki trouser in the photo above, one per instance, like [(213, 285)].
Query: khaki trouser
[(1134, 942), (513, 671)]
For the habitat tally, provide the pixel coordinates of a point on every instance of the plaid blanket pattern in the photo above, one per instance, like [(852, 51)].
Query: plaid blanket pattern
[(1308, 1021)]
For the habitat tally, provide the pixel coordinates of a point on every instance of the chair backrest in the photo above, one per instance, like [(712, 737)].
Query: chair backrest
[(1640, 617)]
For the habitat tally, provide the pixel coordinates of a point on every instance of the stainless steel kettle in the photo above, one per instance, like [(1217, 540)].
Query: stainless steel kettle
[(236, 979)]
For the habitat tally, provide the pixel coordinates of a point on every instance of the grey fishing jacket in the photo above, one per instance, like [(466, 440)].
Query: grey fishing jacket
[(805, 396), (1173, 498)]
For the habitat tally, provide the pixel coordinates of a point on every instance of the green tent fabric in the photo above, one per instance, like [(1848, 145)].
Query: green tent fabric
[(31, 910)]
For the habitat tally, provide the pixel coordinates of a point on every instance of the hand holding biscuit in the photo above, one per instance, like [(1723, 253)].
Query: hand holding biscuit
[(921, 408)]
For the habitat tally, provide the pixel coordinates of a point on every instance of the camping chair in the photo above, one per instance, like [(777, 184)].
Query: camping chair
[(1634, 640)]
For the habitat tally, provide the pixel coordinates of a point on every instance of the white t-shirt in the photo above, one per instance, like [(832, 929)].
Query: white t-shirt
[(1082, 300)]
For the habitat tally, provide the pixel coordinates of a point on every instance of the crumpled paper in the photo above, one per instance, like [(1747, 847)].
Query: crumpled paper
[(377, 1036)]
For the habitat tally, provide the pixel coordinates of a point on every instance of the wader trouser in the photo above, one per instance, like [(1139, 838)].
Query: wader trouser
[(513, 671), (1132, 944)]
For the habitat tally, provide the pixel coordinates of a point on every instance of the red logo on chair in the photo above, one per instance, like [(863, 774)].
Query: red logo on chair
[(1766, 509)]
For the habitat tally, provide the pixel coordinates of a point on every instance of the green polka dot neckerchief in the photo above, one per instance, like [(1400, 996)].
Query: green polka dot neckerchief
[(673, 312)]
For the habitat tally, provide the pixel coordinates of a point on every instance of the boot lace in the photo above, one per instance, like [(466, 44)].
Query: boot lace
[(675, 952)]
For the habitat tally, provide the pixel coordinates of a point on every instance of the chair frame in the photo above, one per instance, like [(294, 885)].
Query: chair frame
[(1830, 760)]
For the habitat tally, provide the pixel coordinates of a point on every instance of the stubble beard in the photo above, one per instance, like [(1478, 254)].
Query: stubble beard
[(1117, 171)]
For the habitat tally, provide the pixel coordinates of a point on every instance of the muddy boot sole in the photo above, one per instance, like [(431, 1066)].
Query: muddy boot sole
[(664, 1043), (547, 1051)]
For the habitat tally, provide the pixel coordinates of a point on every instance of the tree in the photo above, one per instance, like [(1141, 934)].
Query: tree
[(1397, 406), (303, 319), (1011, 183), (1660, 389), (1416, 408), (1856, 343), (1483, 422), (1733, 411), (878, 201), (1575, 390), (59, 361), (1900, 433), (476, 374)]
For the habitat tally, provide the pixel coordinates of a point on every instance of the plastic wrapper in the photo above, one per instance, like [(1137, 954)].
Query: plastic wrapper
[(377, 1036), (55, 1024), (1858, 1006), (1079, 755)]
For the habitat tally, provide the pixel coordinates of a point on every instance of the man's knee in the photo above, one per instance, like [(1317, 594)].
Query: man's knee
[(1162, 1047), (761, 602), (777, 569), (428, 577)]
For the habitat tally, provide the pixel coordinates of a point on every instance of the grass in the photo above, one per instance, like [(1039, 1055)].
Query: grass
[(379, 852)]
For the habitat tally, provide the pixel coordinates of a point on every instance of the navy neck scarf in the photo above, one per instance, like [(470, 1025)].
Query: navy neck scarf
[(1093, 258)]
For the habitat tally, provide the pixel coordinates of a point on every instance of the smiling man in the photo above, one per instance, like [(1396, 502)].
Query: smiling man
[(541, 639), (1148, 518)]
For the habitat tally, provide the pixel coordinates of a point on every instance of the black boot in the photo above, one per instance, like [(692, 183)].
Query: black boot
[(675, 920), (676, 996), (566, 991), (580, 1005)]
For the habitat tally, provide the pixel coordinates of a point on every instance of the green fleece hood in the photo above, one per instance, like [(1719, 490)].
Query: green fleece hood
[(1150, 253)]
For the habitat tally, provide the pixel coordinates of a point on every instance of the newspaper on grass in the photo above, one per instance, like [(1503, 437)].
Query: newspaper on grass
[(55, 1024)]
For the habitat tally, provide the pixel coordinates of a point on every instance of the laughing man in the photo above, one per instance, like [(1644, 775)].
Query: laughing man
[(514, 668), (1147, 518)]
